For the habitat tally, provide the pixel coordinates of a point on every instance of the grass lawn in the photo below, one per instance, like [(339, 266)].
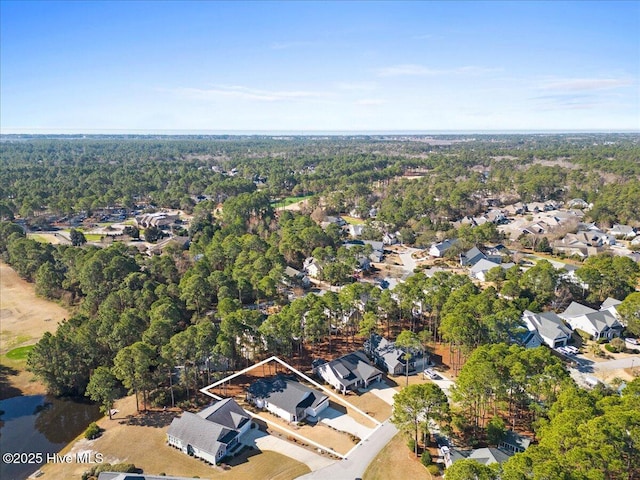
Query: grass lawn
[(19, 353), (284, 202), (396, 461), (39, 238), (352, 220)]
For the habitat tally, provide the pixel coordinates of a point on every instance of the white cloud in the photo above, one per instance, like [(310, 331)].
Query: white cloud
[(415, 70), (245, 93), (584, 84)]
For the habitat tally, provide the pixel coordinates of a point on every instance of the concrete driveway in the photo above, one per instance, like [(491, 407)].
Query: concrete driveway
[(382, 391), (343, 422), (263, 441)]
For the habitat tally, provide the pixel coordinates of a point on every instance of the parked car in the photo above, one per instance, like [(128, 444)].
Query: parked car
[(431, 374), (632, 341)]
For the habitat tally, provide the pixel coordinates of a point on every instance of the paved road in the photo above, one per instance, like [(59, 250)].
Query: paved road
[(357, 462)]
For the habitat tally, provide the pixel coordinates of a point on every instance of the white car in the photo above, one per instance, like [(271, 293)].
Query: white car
[(632, 341), (431, 374)]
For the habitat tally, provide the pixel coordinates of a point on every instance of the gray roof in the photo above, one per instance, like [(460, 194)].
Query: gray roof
[(351, 368), (610, 302), (194, 430), (548, 324), (472, 256), (387, 350), (516, 440), (487, 456), (226, 413), (484, 265), (576, 309), (287, 394)]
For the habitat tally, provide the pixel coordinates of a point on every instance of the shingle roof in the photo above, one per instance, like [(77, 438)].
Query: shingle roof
[(194, 430), (351, 368), (487, 456), (286, 393), (226, 413), (576, 309)]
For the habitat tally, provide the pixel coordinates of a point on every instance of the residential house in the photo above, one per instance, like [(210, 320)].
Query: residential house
[(480, 269), (159, 219), (439, 249), (549, 326), (211, 433), (312, 267), (471, 257), (287, 398), (348, 372), (528, 339), (611, 305), (514, 442), (378, 250), (390, 238), (484, 456), (622, 231), (388, 356), (293, 277), (355, 230), (598, 324)]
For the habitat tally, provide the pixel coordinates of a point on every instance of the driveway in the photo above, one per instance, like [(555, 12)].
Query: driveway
[(343, 422), (382, 391), (359, 459), (444, 383), (263, 441)]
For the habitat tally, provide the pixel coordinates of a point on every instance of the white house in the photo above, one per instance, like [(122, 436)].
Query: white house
[(480, 269), (623, 231), (439, 249), (287, 398), (211, 433), (598, 324), (348, 372), (312, 267)]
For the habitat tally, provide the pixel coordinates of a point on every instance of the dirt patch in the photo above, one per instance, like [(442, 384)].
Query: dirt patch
[(24, 319)]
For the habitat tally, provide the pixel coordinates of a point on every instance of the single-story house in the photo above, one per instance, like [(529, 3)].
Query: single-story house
[(287, 398), (211, 433), (390, 238), (348, 372), (312, 267), (439, 249), (549, 326), (598, 324), (387, 355)]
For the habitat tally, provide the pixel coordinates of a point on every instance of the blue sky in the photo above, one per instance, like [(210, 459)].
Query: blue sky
[(87, 66)]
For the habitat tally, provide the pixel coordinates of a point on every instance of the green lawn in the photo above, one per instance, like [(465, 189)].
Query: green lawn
[(19, 353), (352, 220), (284, 202)]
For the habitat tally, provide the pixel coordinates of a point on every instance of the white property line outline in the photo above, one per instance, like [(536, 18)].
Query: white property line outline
[(378, 424)]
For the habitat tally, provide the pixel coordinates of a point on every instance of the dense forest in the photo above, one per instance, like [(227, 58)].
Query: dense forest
[(136, 318)]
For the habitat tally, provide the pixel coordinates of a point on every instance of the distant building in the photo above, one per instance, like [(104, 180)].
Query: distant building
[(598, 324), (388, 356), (439, 249)]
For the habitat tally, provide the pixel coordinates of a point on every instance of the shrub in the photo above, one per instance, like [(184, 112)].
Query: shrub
[(425, 458), (433, 469), (92, 431)]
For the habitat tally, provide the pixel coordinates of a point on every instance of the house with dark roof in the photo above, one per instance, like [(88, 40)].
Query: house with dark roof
[(387, 355), (211, 433), (514, 442), (287, 398), (439, 249), (471, 257), (348, 372), (549, 326), (597, 323)]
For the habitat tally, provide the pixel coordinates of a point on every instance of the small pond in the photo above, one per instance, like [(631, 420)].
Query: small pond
[(39, 424)]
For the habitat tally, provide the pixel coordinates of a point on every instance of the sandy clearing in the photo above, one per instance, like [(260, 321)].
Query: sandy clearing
[(24, 317)]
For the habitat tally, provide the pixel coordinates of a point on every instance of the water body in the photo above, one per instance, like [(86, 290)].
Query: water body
[(38, 424)]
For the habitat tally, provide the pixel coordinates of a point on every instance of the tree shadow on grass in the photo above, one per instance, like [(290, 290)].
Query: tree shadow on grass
[(6, 389), (156, 419)]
